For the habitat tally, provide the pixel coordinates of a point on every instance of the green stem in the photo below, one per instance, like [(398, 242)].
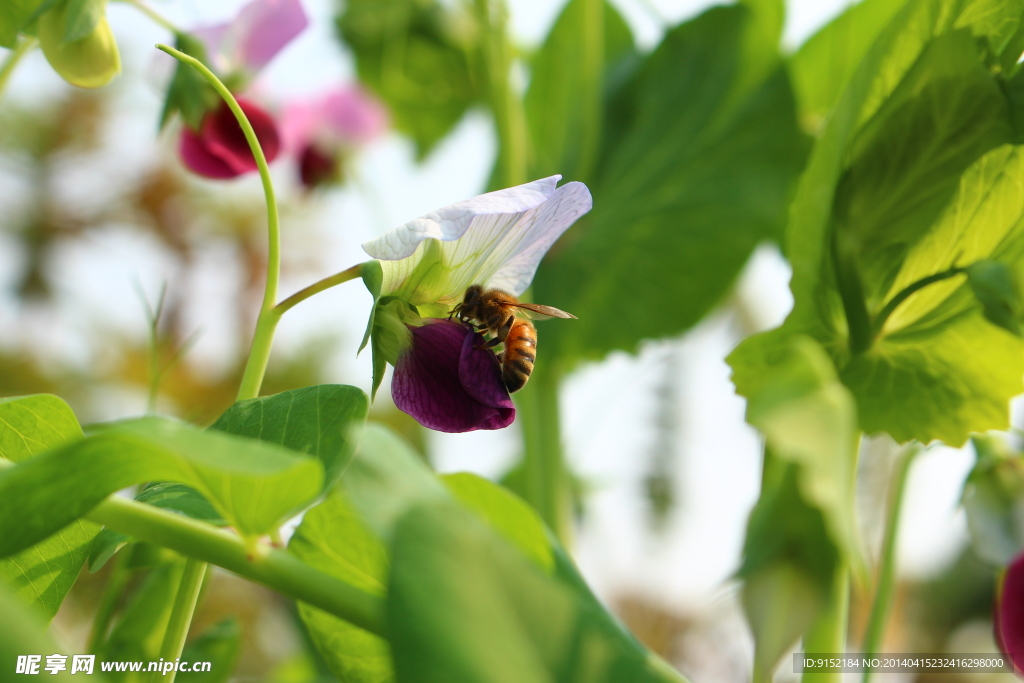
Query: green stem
[(116, 582), (881, 606), (20, 50), (276, 569), (905, 293), (156, 17), (546, 485), (263, 337), (319, 286), (181, 616), (506, 104), (828, 634)]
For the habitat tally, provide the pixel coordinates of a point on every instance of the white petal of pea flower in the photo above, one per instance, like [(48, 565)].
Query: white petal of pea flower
[(495, 240)]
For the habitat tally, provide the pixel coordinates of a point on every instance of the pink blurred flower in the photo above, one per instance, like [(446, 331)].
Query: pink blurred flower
[(238, 50), (261, 29), (322, 131), (219, 148), (1009, 613)]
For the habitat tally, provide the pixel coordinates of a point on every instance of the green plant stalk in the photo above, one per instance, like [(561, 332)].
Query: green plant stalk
[(851, 292), (153, 15), (881, 605), (319, 286), (181, 617), (116, 582), (276, 569), (828, 634), (266, 323), (506, 104), (545, 481), (20, 50)]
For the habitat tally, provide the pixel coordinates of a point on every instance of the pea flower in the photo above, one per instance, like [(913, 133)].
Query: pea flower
[(238, 50), (1009, 613), (443, 378), (322, 133)]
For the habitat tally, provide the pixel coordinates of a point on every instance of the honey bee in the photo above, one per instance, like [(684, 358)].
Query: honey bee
[(499, 313)]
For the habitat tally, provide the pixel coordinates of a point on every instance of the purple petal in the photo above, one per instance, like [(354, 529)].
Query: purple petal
[(1009, 616), (448, 383), (316, 167), (264, 27), (219, 149)]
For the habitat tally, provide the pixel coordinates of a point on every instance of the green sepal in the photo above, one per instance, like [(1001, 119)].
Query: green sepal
[(188, 93), (373, 278), (81, 18)]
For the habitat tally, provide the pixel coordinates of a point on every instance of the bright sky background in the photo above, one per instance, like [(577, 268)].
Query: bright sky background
[(607, 407)]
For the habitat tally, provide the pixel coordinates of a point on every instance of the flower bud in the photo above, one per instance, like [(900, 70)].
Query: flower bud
[(90, 62)]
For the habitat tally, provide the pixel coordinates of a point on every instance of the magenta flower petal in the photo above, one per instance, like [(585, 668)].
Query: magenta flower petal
[(448, 383), (264, 27), (316, 167), (219, 149), (355, 116), (1009, 616)]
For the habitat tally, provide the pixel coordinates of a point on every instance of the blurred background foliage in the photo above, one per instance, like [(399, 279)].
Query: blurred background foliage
[(692, 148)]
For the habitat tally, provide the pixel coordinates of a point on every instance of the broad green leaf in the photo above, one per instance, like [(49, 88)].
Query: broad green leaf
[(565, 101), (333, 539), (823, 64), (906, 162), (934, 369), (808, 418), (697, 169), (463, 605), (789, 561), (254, 485), (43, 574), (323, 421), (139, 631), (504, 512), (218, 645), (414, 55), (386, 478), (13, 16), (23, 632)]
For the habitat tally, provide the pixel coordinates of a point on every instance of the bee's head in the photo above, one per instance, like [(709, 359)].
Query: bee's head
[(472, 296)]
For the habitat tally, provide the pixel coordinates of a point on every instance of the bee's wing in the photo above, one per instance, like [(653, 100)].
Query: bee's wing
[(539, 312)]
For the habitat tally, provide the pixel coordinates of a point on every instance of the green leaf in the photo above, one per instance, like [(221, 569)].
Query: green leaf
[(998, 292), (14, 14), (824, 64), (333, 539), (789, 561), (218, 645), (506, 513), (464, 605), (809, 419), (188, 93), (81, 18), (905, 212), (253, 485), (414, 54), (697, 169), (907, 161), (564, 103), (43, 574), (323, 421)]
